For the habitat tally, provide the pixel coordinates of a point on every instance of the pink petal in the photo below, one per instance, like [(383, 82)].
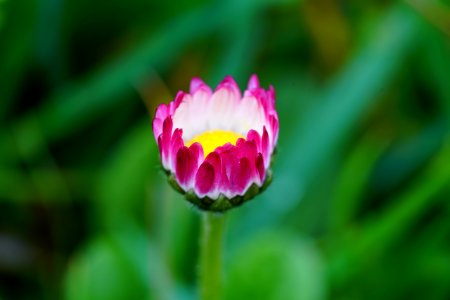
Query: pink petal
[(274, 126), (231, 85), (228, 159), (265, 98), (166, 137), (265, 146), (157, 127), (247, 149), (241, 175), (213, 159), (260, 167), (162, 111), (175, 145), (253, 83), (160, 145), (204, 180), (196, 84), (178, 99), (186, 166), (197, 151), (271, 97), (253, 135)]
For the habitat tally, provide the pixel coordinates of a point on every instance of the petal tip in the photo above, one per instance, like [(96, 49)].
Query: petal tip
[(253, 82), (196, 83)]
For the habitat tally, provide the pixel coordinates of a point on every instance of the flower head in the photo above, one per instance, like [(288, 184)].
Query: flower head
[(217, 146)]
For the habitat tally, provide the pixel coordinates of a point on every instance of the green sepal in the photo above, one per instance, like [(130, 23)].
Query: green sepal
[(222, 203)]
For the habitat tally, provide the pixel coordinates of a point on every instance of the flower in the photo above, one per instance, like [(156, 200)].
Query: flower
[(216, 147)]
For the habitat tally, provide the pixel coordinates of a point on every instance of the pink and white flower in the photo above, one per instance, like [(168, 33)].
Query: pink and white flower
[(217, 146)]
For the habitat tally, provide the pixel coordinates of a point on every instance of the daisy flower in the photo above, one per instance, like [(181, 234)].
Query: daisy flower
[(217, 147)]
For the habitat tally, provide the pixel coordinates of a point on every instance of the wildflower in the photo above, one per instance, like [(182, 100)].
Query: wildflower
[(217, 147)]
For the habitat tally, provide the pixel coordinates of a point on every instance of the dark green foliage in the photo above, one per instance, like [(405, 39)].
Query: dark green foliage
[(359, 205)]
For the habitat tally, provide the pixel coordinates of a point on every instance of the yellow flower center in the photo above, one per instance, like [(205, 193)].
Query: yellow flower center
[(212, 139)]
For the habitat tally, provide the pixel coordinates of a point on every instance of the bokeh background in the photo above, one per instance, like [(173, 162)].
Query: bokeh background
[(359, 207)]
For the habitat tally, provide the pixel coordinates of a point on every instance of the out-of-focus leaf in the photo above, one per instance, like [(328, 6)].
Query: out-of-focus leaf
[(123, 264), (346, 99), (435, 63), (104, 271), (14, 185), (240, 51), (381, 231), (122, 183), (16, 38), (241, 37), (406, 157), (45, 184), (342, 104), (131, 171), (180, 233), (86, 99), (275, 265), (146, 261), (353, 181), (49, 48)]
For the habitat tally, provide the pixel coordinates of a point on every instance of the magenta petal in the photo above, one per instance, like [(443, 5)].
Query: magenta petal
[(247, 149), (271, 97), (167, 126), (265, 145), (260, 167), (186, 166), (178, 99), (197, 150), (253, 135), (240, 142), (175, 145), (228, 160), (224, 148), (196, 83), (274, 126), (162, 111), (214, 159), (157, 127), (253, 83), (231, 85), (166, 137), (204, 179), (241, 176), (160, 144)]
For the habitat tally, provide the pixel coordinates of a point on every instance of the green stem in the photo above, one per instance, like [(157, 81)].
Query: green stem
[(211, 256)]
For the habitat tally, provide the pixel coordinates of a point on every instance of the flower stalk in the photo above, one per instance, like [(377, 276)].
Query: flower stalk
[(211, 256)]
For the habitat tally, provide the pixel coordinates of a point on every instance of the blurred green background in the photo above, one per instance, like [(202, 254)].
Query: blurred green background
[(359, 207)]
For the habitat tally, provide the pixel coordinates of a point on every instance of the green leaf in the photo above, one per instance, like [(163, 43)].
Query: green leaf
[(123, 183), (100, 272), (275, 265), (380, 232), (353, 180)]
